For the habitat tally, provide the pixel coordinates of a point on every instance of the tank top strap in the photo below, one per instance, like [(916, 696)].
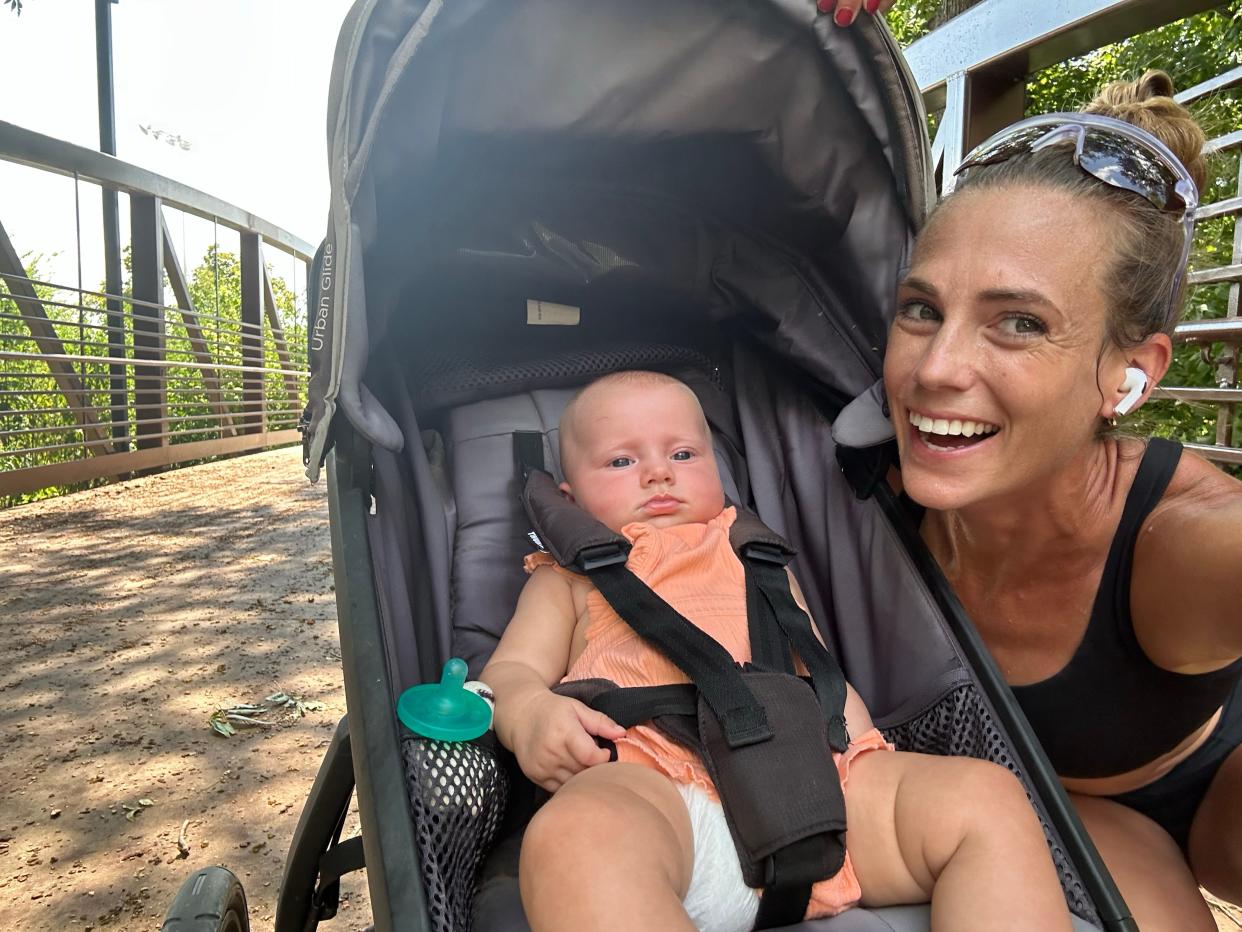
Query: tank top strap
[(1156, 470)]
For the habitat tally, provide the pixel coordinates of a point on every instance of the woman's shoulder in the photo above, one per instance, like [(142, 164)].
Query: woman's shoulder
[(1185, 569), (1199, 486)]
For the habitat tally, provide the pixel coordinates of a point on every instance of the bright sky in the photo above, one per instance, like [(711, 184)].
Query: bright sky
[(245, 82)]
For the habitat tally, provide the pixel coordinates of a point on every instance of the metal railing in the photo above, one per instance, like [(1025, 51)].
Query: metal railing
[(973, 72), (96, 384)]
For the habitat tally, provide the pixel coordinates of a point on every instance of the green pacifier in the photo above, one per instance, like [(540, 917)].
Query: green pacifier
[(446, 710)]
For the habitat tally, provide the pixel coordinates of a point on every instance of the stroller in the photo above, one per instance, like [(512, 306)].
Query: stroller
[(532, 193)]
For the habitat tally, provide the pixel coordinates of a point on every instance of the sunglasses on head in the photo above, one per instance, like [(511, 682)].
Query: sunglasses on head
[(1115, 152)]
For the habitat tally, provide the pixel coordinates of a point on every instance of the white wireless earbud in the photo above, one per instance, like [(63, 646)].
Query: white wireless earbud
[(1134, 385)]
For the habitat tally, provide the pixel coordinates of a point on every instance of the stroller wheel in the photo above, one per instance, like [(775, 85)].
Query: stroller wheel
[(210, 900)]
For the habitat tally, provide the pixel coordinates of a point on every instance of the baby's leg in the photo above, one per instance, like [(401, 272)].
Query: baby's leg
[(611, 850), (955, 831)]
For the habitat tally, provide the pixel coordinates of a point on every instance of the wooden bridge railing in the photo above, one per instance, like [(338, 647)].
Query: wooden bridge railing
[(96, 384), (973, 71)]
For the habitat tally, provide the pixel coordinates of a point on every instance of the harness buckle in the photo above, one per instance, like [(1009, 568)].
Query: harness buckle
[(599, 555), (766, 553)]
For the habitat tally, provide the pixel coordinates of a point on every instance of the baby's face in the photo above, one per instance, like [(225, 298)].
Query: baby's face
[(642, 453)]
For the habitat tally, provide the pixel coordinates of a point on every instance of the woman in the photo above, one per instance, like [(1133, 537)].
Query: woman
[(1102, 571)]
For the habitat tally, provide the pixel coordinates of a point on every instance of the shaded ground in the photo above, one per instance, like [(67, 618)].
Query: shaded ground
[(128, 614)]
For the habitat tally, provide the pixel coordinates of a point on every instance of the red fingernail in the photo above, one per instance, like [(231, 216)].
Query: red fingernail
[(843, 16), (871, 6), (825, 6)]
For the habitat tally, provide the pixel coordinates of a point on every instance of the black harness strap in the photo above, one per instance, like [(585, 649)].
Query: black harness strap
[(766, 567), (708, 665), (528, 452), (786, 895)]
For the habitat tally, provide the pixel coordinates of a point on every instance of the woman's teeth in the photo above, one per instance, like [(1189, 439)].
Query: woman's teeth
[(945, 427)]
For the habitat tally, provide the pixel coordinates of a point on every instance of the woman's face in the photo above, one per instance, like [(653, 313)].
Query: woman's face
[(995, 347)]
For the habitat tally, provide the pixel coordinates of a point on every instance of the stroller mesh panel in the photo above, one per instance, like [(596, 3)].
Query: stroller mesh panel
[(458, 793), (960, 725), (449, 379)]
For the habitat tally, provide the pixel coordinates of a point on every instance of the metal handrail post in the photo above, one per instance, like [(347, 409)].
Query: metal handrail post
[(113, 275)]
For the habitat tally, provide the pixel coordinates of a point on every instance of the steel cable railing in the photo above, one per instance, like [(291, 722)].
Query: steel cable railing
[(96, 384)]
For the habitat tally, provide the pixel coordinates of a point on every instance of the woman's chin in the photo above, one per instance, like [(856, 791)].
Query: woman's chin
[(945, 480)]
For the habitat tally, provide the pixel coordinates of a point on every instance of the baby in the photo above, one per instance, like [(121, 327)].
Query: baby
[(642, 842)]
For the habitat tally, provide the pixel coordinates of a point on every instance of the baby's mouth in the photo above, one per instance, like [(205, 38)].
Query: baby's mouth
[(950, 433)]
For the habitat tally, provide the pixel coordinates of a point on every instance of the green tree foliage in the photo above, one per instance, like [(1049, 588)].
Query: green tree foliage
[(1191, 50)]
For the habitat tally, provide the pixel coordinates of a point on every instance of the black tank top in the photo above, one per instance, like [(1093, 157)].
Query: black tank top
[(1110, 709)]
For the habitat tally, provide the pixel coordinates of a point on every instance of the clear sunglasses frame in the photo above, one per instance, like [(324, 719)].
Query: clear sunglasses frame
[(1117, 153)]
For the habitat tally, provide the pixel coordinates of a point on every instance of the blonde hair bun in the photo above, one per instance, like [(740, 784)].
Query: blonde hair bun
[(1148, 104)]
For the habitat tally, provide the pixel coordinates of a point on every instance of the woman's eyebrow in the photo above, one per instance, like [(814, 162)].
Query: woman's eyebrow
[(918, 284), (1018, 295)]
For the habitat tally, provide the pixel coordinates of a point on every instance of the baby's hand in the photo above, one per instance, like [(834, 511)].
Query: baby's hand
[(553, 740)]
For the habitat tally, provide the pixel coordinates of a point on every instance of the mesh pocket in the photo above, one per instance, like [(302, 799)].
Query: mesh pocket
[(458, 793), (961, 725)]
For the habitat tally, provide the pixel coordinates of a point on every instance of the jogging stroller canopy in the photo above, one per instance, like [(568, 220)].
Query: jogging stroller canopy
[(625, 149), (527, 194)]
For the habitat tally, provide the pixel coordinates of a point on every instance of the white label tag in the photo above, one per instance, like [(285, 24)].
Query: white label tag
[(550, 314)]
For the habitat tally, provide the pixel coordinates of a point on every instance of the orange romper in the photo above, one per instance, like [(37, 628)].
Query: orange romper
[(694, 569)]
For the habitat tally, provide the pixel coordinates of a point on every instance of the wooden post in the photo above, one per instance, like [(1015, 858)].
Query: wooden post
[(150, 384)]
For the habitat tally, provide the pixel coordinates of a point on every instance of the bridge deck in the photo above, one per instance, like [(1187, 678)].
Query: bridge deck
[(128, 615)]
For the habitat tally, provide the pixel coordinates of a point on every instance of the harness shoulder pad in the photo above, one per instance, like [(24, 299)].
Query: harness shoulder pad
[(573, 537), (751, 537)]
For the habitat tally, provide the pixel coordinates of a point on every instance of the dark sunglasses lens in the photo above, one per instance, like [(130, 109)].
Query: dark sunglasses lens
[(1122, 164), (1005, 149)]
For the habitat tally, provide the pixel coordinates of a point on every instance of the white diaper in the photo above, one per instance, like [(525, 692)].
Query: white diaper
[(718, 899)]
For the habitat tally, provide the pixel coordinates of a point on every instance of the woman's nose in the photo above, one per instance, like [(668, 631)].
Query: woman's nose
[(947, 361)]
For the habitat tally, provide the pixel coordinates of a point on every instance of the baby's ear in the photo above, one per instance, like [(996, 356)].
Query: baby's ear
[(566, 490)]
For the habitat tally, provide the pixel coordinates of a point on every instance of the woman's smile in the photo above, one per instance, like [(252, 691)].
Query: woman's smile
[(948, 433)]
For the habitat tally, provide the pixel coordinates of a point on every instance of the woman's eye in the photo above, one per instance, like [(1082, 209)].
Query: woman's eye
[(1023, 325), (621, 462), (919, 312), (683, 455)]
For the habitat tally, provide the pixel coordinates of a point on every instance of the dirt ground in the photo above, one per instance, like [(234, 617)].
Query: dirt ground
[(129, 614)]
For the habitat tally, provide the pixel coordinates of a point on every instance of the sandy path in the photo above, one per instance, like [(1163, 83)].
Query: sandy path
[(128, 615)]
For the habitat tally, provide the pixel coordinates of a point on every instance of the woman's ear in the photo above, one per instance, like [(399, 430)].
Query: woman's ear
[(1151, 357)]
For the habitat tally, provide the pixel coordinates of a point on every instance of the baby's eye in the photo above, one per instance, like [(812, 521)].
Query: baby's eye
[(683, 455), (621, 462), (1023, 325), (919, 312)]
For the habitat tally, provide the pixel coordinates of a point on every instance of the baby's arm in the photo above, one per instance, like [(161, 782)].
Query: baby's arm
[(551, 735), (857, 718)]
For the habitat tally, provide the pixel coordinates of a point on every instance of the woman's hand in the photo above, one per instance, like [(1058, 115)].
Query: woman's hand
[(845, 12)]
